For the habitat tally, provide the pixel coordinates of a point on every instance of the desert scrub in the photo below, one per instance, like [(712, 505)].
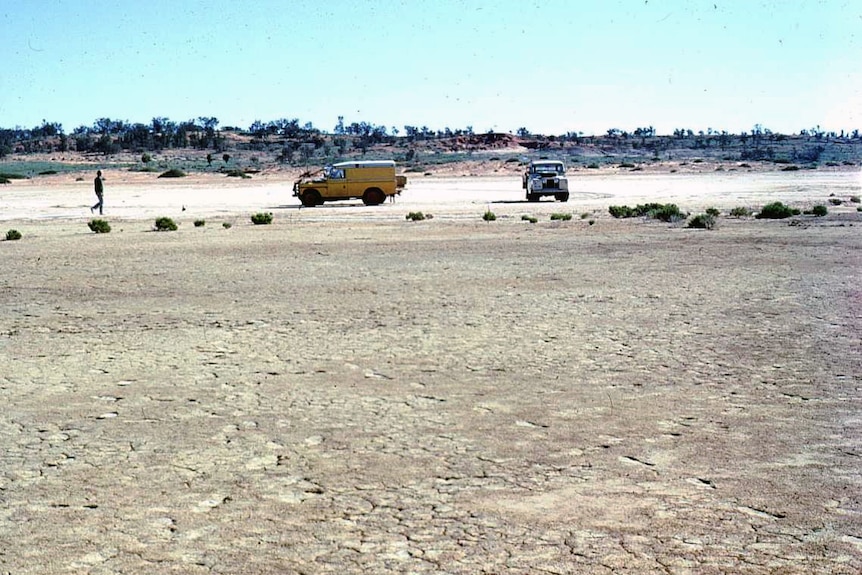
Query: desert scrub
[(99, 226), (585, 215), (835, 201), (415, 216), (200, 223), (714, 212), (740, 212), (489, 216), (226, 225), (12, 176), (531, 219), (173, 173), (818, 210), (237, 174), (855, 199), (663, 212), (13, 235), (702, 221), (165, 224), (776, 211), (593, 166), (561, 217), (5, 180), (261, 218)]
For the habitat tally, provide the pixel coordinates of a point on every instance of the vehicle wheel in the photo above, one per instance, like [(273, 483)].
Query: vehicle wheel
[(373, 197), (533, 197), (562, 196), (311, 198)]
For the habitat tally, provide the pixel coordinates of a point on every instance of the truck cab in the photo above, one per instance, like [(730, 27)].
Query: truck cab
[(546, 178), (372, 181)]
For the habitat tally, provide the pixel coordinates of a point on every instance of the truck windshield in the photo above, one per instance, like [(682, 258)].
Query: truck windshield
[(542, 168), (333, 173)]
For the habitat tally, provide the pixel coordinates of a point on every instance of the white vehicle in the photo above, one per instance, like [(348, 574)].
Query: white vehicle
[(546, 178)]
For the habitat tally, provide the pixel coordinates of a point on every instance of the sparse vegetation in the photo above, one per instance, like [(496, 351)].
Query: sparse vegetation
[(714, 212), (165, 224), (261, 218), (415, 216), (13, 235), (5, 180), (818, 210), (530, 219), (855, 199), (663, 212), (791, 168), (489, 216), (173, 173), (593, 166), (200, 223), (561, 217), (99, 226), (776, 211), (835, 201), (740, 212), (237, 173), (702, 221), (226, 225), (627, 165), (48, 172)]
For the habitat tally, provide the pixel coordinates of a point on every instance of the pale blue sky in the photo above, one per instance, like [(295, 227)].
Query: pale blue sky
[(552, 66)]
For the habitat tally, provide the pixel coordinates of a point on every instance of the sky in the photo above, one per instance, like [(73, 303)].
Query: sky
[(550, 66)]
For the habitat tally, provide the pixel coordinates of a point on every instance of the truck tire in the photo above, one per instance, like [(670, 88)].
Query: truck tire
[(562, 196), (533, 197), (373, 197), (311, 198)]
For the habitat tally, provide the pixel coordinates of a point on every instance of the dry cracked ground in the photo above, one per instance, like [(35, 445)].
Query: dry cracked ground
[(432, 397)]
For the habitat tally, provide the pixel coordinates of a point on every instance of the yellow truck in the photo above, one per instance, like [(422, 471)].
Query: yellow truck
[(373, 181)]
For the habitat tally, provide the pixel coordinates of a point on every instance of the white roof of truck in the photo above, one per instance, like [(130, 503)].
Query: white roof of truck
[(366, 164)]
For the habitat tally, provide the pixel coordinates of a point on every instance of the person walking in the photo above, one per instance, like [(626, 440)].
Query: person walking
[(100, 190)]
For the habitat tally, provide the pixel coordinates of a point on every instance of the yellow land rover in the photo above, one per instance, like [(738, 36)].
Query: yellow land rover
[(373, 181)]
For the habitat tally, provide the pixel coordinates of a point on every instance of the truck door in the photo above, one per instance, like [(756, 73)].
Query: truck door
[(337, 183)]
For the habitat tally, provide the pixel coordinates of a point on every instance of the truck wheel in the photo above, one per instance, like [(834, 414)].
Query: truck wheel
[(562, 196), (373, 197), (533, 197), (311, 198)]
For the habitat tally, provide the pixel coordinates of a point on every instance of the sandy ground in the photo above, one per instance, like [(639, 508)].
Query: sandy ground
[(345, 391)]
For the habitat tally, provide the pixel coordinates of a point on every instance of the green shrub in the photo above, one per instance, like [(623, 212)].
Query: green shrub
[(593, 166), (621, 211), (489, 216), (173, 173), (585, 215), (561, 217), (627, 165), (146, 158), (697, 161), (99, 226), (200, 223), (855, 199), (261, 218), (790, 168), (702, 221), (714, 212), (835, 201), (165, 224), (11, 176), (744, 165), (530, 219), (776, 211), (740, 212), (819, 210), (415, 216), (237, 174), (13, 235), (591, 222), (48, 172), (226, 225)]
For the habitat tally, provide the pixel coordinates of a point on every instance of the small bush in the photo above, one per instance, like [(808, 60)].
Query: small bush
[(415, 216), (48, 173), (697, 161), (855, 199), (530, 219), (5, 180), (627, 165), (591, 222), (585, 215), (261, 218), (165, 224), (13, 235), (832, 164), (819, 210), (835, 201), (200, 223), (173, 173), (593, 166), (740, 212), (99, 226), (489, 216), (714, 212), (702, 221), (744, 165), (776, 211), (790, 168), (12, 176), (146, 158), (621, 211), (226, 225), (561, 217), (665, 212), (237, 174)]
